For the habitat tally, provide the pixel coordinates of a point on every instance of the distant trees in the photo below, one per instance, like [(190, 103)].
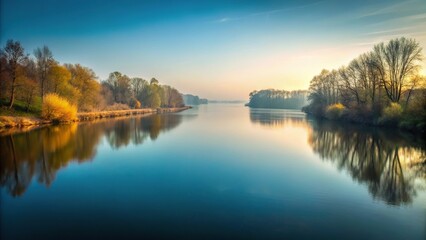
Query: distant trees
[(138, 85), (29, 79), (154, 98), (272, 98), (371, 82), (137, 92), (119, 85), (170, 97), (190, 99)]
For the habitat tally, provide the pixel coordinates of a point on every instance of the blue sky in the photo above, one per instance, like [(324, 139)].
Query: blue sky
[(216, 49)]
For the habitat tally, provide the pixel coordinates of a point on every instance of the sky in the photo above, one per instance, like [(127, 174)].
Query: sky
[(219, 50)]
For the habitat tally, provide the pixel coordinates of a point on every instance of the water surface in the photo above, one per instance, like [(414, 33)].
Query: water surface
[(213, 172)]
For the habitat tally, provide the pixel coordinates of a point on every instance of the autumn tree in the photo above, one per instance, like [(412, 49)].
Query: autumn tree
[(106, 93), (85, 80), (14, 55), (170, 97), (59, 82), (28, 80), (58, 76), (155, 98)]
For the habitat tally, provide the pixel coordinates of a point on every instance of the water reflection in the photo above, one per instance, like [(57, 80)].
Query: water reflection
[(388, 162), (391, 164), (137, 130), (39, 154), (277, 117)]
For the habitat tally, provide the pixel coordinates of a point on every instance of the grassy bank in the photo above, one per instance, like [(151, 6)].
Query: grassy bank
[(20, 109), (29, 121)]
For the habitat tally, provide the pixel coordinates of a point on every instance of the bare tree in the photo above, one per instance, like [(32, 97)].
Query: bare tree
[(137, 85), (44, 62), (397, 62)]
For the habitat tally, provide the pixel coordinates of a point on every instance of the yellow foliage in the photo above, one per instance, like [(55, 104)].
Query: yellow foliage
[(137, 104), (336, 106), (58, 137), (392, 113), (57, 108), (334, 111)]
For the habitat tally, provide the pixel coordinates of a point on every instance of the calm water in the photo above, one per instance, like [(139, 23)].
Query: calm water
[(217, 172)]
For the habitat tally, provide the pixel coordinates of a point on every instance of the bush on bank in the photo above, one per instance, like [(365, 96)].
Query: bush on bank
[(56, 108)]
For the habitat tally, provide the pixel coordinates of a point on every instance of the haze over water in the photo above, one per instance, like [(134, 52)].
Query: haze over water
[(214, 171)]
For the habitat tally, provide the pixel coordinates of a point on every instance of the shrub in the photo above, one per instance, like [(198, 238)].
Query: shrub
[(391, 114), (314, 109), (117, 106), (137, 104), (57, 108), (358, 114), (334, 111)]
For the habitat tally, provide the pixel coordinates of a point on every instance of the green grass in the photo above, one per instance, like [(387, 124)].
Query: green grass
[(19, 108)]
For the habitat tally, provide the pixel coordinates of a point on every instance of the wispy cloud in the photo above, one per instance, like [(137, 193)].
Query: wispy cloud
[(390, 31), (380, 10), (225, 19), (267, 13), (286, 9), (410, 26)]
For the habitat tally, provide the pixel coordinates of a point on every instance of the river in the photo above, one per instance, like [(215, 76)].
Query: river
[(218, 171)]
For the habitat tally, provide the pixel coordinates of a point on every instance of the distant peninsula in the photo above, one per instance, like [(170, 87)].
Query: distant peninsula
[(278, 99), (190, 99)]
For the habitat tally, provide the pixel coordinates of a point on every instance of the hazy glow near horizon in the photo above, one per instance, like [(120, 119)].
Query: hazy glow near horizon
[(214, 49)]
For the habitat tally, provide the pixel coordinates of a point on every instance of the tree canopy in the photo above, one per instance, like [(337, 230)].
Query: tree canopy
[(373, 86)]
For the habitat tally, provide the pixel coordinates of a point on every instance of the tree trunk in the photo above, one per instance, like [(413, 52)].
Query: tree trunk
[(12, 95), (408, 98), (12, 98)]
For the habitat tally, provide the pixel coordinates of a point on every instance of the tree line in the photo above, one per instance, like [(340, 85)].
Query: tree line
[(271, 98), (382, 86), (26, 79), (190, 99)]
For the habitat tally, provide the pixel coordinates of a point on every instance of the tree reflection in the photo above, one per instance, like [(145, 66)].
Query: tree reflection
[(388, 162), (277, 117), (136, 130), (41, 153), (391, 163)]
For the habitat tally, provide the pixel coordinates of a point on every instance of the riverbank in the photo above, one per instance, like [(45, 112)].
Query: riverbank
[(30, 122), (415, 124), (407, 123)]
